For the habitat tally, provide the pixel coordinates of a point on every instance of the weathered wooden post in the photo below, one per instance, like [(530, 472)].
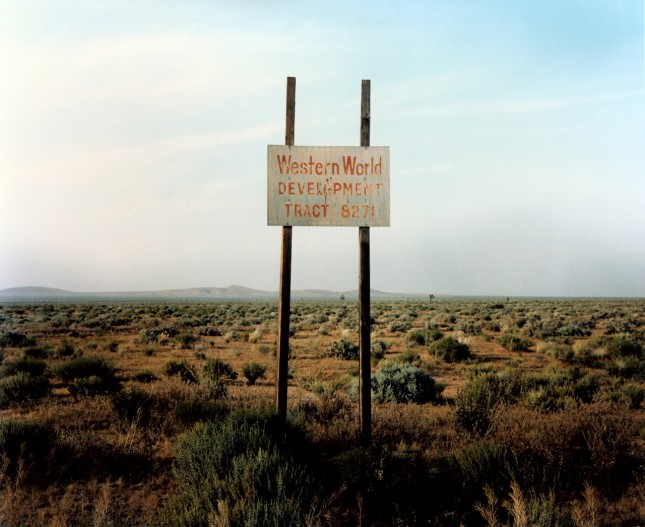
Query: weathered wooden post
[(284, 307), (365, 378), (328, 186)]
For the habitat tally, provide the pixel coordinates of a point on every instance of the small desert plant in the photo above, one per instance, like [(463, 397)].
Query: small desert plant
[(514, 343), (476, 404), (217, 369), (29, 366), (449, 349), (344, 349), (14, 339), (253, 371), (180, 369), (241, 472), (378, 349), (26, 446), (87, 375), (22, 387), (403, 383), (196, 409), (83, 367), (66, 349), (415, 337), (133, 407), (398, 327), (144, 376), (186, 340), (624, 347)]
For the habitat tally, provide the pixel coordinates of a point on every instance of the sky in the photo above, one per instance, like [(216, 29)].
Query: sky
[(133, 141)]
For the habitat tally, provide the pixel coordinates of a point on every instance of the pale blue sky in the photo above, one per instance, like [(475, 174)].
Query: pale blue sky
[(133, 142)]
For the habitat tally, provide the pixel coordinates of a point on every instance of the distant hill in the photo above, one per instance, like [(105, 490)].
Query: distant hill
[(195, 294)]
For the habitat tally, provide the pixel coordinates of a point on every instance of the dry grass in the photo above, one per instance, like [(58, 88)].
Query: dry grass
[(106, 470)]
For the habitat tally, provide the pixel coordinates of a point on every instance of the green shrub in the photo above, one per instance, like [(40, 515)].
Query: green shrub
[(481, 464), (476, 404), (514, 343), (433, 334), (633, 395), (36, 352), (144, 376), (22, 387), (344, 349), (378, 349), (416, 336), (469, 327), (133, 407), (253, 371), (449, 349), (398, 327), (195, 410), (66, 349), (88, 375), (180, 369), (13, 339), (186, 340), (547, 398), (624, 347), (629, 367), (217, 369), (81, 367), (241, 472), (27, 446), (403, 383), (29, 366)]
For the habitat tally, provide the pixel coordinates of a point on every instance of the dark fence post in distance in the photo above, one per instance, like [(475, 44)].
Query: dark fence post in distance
[(365, 377), (284, 308)]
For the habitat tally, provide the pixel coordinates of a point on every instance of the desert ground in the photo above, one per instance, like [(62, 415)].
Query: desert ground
[(523, 412)]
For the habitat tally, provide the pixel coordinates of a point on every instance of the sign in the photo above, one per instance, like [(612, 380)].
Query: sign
[(328, 186)]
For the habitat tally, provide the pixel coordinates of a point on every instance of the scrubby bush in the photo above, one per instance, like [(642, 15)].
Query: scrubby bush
[(433, 334), (196, 409), (36, 352), (22, 387), (629, 367), (33, 367), (253, 371), (344, 349), (145, 376), (624, 347), (87, 375), (242, 472), (133, 406), (398, 326), (476, 404), (66, 349), (217, 369), (469, 327), (180, 369), (403, 383), (514, 343), (26, 446), (416, 336), (378, 349), (449, 349), (186, 340), (12, 339), (84, 367)]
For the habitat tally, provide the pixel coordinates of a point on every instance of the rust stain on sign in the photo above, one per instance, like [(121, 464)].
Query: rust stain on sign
[(328, 186)]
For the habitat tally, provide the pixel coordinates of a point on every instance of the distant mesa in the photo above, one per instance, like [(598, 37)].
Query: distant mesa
[(232, 292)]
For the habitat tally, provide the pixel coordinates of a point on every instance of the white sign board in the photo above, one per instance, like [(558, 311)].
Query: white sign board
[(328, 185)]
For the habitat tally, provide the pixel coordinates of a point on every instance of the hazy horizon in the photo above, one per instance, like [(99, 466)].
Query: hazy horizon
[(133, 143)]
